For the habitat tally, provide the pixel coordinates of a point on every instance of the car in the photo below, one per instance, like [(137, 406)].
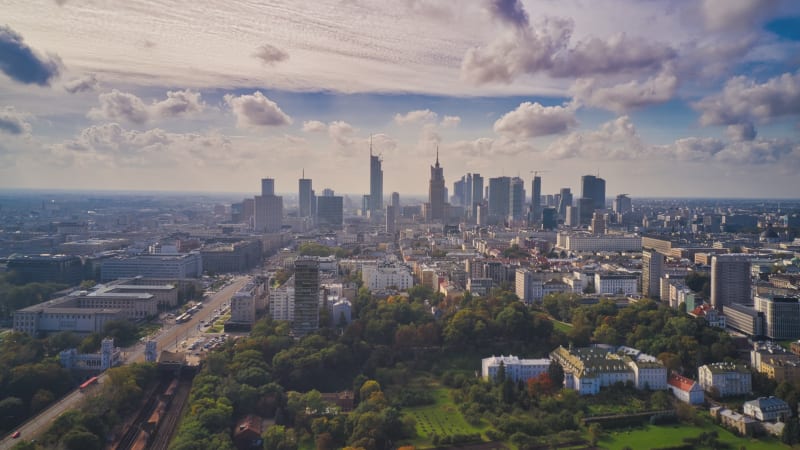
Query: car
[(15, 435)]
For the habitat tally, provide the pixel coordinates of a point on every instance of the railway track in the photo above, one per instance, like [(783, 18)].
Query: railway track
[(132, 433), (166, 429)]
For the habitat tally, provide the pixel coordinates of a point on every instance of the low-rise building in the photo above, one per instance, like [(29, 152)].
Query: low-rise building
[(616, 283), (767, 408), (727, 379), (383, 277), (743, 425), (516, 369), (109, 356), (685, 390), (586, 370), (170, 266)]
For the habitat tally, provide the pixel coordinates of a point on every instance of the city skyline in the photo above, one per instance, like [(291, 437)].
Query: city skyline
[(691, 99)]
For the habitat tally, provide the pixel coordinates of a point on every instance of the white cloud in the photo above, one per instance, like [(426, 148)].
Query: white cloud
[(342, 133), (124, 106), (624, 97), (743, 100), (83, 84), (741, 132), (420, 115), (13, 122), (256, 110), (534, 120), (726, 14), (450, 121), (617, 139), (314, 126)]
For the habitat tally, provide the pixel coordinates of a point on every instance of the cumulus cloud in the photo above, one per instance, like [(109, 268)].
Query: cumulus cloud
[(743, 100), (420, 115), (270, 55), (179, 103), (741, 132), (545, 48), (626, 96), (736, 14), (342, 133), (124, 106), (13, 122), (450, 121), (20, 63), (116, 105), (617, 139), (83, 84), (112, 145), (256, 110), (533, 120), (314, 126)]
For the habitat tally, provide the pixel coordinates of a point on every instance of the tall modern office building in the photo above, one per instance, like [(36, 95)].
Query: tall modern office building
[(499, 201), (436, 193), (652, 268), (594, 188), (536, 199), (565, 199), (306, 296), (730, 280), (516, 199), (477, 193), (375, 183), (305, 197), (268, 208), (396, 200), (622, 204), (330, 211)]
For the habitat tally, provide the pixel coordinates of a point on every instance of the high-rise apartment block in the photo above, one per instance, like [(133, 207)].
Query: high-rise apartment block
[(730, 280), (652, 267), (306, 296)]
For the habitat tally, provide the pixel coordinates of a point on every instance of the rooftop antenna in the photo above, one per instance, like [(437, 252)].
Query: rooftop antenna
[(370, 145), (304, 173), (437, 155)]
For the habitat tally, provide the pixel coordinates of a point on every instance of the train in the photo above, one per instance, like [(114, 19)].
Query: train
[(88, 383), (148, 428)]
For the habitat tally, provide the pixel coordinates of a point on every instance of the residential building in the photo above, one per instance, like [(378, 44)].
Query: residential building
[(618, 283), (516, 369), (767, 409), (685, 390), (730, 280), (281, 301), (652, 267), (727, 379), (306, 296), (382, 277), (586, 242)]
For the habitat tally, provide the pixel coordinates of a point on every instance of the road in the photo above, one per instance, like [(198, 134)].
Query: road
[(167, 340)]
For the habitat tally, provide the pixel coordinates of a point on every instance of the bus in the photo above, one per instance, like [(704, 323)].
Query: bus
[(88, 383), (183, 318)]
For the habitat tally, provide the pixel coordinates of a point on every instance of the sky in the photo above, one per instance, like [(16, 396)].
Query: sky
[(661, 98)]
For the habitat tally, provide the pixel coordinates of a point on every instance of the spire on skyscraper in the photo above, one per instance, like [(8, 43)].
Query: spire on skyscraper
[(437, 155)]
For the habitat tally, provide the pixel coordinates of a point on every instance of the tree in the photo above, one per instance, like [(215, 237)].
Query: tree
[(556, 374), (81, 440), (595, 433)]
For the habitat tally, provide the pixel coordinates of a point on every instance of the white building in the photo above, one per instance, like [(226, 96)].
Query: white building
[(171, 266), (529, 288), (585, 242), (516, 369), (281, 301), (686, 390), (587, 370), (728, 379), (243, 306), (380, 278), (108, 357), (616, 283), (767, 408)]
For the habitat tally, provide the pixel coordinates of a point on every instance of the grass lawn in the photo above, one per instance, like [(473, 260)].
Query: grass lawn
[(669, 435), (442, 418), (561, 326)]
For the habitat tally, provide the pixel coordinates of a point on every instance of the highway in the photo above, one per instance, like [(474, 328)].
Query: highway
[(167, 339)]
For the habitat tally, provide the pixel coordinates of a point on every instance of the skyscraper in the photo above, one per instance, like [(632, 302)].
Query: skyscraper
[(594, 188), (304, 197), (268, 208), (436, 192), (730, 280), (306, 296), (536, 199), (458, 192), (477, 193), (622, 204), (375, 183), (499, 190), (652, 267), (329, 211), (565, 199), (516, 199)]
